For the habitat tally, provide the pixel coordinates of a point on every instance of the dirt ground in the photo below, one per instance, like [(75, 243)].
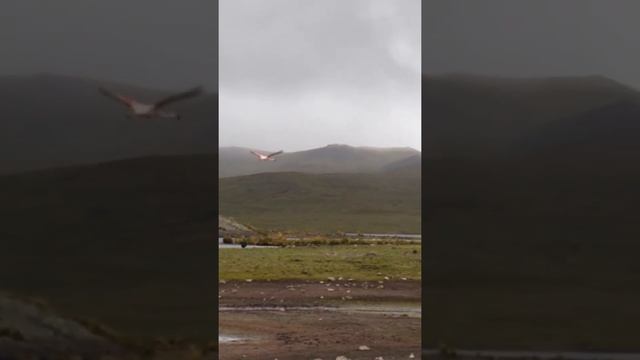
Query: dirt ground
[(289, 320)]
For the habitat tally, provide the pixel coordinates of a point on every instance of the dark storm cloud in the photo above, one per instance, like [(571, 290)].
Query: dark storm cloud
[(533, 38), (155, 43), (327, 71)]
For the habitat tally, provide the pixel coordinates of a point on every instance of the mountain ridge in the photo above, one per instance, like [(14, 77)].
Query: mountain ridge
[(474, 116), (332, 158)]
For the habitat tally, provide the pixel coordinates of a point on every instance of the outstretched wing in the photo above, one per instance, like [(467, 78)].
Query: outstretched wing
[(181, 96), (255, 153), (119, 98), (275, 153)]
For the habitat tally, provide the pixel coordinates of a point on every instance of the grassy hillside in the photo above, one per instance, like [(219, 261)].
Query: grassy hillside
[(128, 243), (380, 202), (548, 251), (535, 246), (51, 121), (237, 161)]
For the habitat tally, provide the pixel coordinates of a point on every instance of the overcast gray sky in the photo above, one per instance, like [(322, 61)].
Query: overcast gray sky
[(165, 44), (533, 38), (299, 74)]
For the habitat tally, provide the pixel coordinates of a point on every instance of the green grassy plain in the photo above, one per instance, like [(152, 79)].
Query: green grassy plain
[(318, 263)]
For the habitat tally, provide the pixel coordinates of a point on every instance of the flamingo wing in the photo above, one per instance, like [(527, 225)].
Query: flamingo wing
[(119, 98), (256, 154), (275, 153), (180, 96)]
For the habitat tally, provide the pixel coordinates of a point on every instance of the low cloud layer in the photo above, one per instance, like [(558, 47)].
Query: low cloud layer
[(164, 44), (525, 38), (297, 74)]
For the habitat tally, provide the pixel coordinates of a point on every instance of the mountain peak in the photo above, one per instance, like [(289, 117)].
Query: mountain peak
[(594, 80)]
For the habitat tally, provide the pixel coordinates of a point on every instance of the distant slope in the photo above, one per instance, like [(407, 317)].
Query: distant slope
[(324, 203), (610, 131), (130, 243), (472, 116), (235, 161), (51, 121), (411, 166)]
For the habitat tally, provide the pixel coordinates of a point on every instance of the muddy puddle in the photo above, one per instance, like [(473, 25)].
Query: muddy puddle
[(236, 339)]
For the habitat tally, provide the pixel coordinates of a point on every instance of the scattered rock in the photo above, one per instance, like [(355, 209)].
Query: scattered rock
[(342, 357), (331, 278), (412, 356), (363, 348)]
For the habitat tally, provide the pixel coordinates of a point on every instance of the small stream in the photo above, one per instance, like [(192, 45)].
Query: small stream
[(392, 310)]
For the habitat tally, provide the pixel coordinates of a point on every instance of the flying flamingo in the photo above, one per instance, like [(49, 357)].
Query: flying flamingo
[(142, 110), (263, 157)]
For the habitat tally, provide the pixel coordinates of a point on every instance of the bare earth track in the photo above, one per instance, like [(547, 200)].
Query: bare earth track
[(319, 320)]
